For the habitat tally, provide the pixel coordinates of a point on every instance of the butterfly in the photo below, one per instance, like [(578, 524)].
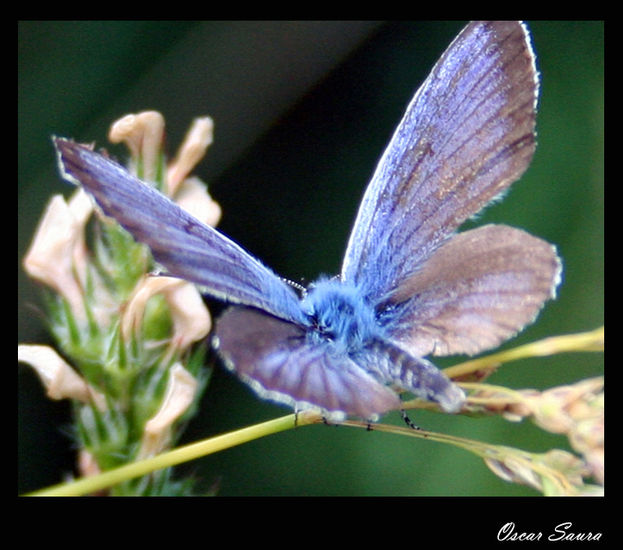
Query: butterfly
[(410, 284)]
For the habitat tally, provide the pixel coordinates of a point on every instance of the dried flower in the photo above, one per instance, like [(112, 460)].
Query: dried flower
[(143, 133), (558, 410), (576, 410), (191, 320), (192, 195), (554, 473), (192, 150), (56, 256), (59, 379), (180, 392)]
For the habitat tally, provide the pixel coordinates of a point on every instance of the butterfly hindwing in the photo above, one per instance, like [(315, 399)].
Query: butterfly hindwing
[(276, 359), (478, 289)]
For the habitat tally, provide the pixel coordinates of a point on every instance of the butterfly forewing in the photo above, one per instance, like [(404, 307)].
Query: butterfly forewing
[(186, 247), (466, 136)]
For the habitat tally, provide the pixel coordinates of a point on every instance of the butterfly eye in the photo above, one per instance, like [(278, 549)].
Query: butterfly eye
[(320, 329)]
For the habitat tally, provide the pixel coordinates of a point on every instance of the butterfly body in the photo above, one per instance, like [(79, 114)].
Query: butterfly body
[(410, 285), (338, 314)]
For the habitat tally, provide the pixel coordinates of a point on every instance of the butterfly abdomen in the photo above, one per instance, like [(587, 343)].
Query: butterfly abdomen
[(413, 374)]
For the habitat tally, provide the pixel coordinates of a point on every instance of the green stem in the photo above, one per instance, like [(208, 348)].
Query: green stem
[(92, 484), (585, 341)]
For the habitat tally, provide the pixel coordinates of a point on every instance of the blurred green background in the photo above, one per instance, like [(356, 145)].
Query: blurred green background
[(303, 111)]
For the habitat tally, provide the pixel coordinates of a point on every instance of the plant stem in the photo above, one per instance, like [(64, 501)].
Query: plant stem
[(107, 479)]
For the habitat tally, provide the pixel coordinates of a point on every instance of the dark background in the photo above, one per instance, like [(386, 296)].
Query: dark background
[(303, 111)]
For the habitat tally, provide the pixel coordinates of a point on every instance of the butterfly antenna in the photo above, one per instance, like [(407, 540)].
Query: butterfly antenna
[(297, 286)]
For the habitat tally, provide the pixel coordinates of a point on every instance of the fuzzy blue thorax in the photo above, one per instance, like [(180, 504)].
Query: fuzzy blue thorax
[(339, 314)]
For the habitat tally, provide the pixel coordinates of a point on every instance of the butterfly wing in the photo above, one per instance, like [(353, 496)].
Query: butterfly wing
[(466, 136), (186, 247), (275, 359), (477, 290)]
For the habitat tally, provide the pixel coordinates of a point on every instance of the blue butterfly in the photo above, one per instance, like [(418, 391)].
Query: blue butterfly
[(410, 286)]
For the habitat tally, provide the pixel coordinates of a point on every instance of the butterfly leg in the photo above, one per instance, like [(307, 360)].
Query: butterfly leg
[(408, 421)]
